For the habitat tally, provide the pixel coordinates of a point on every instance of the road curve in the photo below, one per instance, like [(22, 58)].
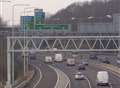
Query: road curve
[(48, 80)]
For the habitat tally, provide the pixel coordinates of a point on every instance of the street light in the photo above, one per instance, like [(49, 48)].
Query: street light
[(13, 8), (26, 59)]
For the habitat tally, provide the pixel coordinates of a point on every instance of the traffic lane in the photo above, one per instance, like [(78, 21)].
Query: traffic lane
[(34, 80), (70, 72), (91, 72), (49, 76)]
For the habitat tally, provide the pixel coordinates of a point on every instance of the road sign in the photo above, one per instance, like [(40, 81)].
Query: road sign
[(52, 27)]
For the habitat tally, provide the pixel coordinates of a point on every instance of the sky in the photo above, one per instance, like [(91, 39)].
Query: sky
[(50, 6)]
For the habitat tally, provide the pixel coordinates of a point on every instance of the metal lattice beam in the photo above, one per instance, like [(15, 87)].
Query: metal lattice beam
[(64, 43)]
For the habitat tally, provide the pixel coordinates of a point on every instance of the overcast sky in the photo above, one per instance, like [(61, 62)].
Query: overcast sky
[(51, 6)]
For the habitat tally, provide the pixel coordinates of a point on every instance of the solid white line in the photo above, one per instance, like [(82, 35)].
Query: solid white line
[(110, 85), (58, 78), (37, 68), (88, 82)]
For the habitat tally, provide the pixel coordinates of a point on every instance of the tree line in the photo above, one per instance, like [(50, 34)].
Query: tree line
[(98, 10)]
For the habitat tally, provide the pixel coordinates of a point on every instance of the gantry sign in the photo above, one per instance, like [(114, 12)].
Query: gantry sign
[(58, 43), (63, 43)]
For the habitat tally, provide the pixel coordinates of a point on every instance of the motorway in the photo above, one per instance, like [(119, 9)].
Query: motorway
[(50, 77), (45, 78)]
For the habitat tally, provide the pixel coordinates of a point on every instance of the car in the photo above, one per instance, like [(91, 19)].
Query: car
[(79, 76), (93, 56), (81, 67), (71, 62), (118, 61), (105, 60), (58, 58), (48, 59), (102, 78), (85, 62)]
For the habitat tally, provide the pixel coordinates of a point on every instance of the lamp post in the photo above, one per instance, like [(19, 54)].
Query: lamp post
[(10, 80), (24, 53)]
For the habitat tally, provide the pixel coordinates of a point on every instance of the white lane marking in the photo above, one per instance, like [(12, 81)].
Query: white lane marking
[(37, 68), (90, 86), (110, 85), (58, 78)]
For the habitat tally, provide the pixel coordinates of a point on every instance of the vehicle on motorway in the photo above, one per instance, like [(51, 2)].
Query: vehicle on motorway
[(48, 59), (93, 56), (79, 76), (105, 60), (85, 62), (81, 67), (118, 59), (71, 62), (32, 55), (58, 58), (102, 78)]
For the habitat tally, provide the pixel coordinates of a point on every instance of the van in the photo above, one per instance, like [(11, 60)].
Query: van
[(58, 58), (71, 62), (102, 78), (48, 59)]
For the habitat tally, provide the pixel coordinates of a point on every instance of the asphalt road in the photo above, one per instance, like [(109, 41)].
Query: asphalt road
[(49, 76), (48, 79), (90, 73)]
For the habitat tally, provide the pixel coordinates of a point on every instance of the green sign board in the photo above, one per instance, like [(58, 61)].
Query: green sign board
[(52, 27)]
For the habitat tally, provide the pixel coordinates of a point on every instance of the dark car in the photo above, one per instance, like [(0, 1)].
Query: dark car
[(93, 56), (105, 60), (85, 62), (81, 67)]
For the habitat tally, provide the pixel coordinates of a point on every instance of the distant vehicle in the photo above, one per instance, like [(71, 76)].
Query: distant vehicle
[(58, 58), (79, 76), (93, 56), (118, 59), (81, 67), (102, 78), (71, 62), (32, 55), (105, 60), (85, 62), (48, 59)]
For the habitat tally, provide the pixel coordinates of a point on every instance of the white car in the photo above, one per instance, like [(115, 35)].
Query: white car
[(58, 58), (79, 76), (48, 59), (71, 61)]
